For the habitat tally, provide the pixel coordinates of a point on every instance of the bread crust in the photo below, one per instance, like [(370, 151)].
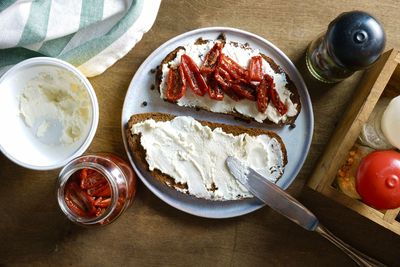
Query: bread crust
[(295, 97), (139, 153)]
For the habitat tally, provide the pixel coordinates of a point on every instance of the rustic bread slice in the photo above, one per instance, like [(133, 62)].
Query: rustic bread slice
[(139, 153), (290, 86)]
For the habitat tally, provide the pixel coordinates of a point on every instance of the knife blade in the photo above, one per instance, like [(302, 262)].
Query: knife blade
[(286, 205), (272, 195)]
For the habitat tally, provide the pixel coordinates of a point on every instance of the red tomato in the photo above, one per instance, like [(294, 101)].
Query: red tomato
[(176, 84), (255, 69), (245, 90), (193, 77), (211, 59), (274, 96), (262, 96), (235, 70), (215, 90), (378, 179)]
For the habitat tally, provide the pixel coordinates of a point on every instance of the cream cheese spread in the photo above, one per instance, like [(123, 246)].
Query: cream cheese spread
[(242, 56), (195, 155), (56, 107)]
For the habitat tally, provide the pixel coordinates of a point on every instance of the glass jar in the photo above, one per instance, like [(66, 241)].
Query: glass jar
[(390, 123), (120, 178), (381, 131), (371, 133)]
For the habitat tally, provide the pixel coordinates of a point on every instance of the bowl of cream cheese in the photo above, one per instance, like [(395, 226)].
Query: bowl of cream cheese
[(48, 113)]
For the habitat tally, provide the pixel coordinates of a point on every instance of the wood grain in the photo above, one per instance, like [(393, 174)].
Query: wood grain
[(33, 231)]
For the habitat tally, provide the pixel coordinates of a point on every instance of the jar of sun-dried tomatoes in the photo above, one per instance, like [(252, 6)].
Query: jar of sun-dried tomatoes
[(95, 189)]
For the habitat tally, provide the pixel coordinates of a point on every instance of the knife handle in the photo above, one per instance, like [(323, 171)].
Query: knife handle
[(360, 258)]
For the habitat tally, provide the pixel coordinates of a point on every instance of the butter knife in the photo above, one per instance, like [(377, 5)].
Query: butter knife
[(286, 205)]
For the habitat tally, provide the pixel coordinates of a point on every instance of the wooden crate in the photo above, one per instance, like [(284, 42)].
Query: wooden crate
[(382, 79)]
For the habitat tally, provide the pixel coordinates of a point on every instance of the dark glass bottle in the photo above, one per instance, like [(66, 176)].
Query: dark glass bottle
[(353, 41)]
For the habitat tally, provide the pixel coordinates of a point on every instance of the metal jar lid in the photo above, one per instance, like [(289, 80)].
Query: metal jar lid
[(355, 40)]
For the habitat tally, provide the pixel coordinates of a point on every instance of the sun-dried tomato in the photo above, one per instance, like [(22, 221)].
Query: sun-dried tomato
[(274, 96), (255, 69), (176, 84), (223, 79), (211, 59), (262, 93), (101, 191), (245, 90), (78, 200), (102, 203), (194, 79), (91, 178), (234, 69), (73, 205), (220, 78), (224, 74), (87, 191), (215, 90)]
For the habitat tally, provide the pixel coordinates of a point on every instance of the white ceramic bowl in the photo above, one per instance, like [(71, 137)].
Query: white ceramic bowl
[(18, 141)]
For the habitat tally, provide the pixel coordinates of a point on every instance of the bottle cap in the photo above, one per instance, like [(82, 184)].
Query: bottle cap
[(355, 40)]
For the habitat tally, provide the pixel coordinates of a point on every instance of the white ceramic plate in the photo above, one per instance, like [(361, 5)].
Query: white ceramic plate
[(297, 140)]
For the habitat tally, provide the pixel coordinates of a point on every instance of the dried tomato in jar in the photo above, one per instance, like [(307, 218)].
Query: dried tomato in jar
[(95, 189)]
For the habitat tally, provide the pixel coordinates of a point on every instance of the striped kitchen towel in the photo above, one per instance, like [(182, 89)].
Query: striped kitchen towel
[(90, 34)]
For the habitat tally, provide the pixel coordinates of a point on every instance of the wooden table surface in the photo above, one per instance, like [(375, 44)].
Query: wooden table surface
[(33, 231)]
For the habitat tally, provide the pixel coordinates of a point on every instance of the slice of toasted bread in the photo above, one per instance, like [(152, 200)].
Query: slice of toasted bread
[(290, 86), (139, 153)]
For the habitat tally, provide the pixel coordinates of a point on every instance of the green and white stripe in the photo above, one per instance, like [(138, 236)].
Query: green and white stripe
[(90, 34)]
